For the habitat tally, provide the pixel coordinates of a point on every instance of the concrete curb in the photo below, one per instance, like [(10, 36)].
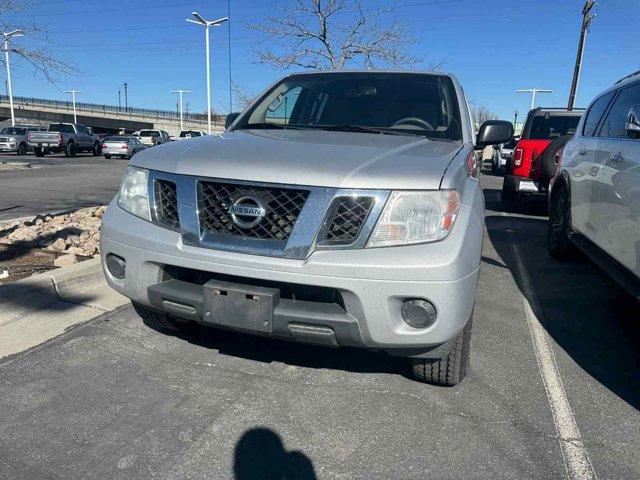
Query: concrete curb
[(43, 306)]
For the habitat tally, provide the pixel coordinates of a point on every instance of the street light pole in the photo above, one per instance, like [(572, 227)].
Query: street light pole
[(7, 36), (126, 98), (73, 98), (119, 99), (181, 93), (199, 20), (533, 92)]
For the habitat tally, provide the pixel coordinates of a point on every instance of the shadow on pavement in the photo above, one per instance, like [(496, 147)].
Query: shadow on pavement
[(260, 454), (269, 350), (38, 297), (585, 312)]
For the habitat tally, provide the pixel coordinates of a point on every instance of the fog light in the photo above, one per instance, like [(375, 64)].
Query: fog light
[(116, 266), (418, 313)]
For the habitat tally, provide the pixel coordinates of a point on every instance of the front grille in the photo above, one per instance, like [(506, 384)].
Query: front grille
[(167, 203), (347, 218), (282, 205), (4, 139)]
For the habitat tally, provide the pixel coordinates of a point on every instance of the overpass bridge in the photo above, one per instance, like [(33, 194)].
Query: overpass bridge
[(103, 118)]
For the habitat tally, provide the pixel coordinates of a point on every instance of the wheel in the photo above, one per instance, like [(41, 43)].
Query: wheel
[(96, 149), (108, 157), (22, 149), (450, 370), (38, 152), (559, 225), (509, 198), (70, 151), (154, 319), (548, 158)]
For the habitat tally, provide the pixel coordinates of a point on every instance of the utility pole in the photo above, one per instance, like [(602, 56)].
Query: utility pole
[(73, 98), (119, 99), (515, 119), (181, 93), (533, 92), (126, 98), (229, 48), (587, 19)]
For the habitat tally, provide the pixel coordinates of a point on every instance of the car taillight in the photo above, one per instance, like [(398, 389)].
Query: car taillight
[(103, 146), (517, 157), (124, 145)]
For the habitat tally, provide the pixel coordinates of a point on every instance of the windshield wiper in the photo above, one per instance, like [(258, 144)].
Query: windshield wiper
[(364, 129), (268, 126)]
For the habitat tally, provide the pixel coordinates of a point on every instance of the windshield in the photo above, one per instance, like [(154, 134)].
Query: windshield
[(550, 128), (149, 133), (14, 131), (116, 139), (189, 133), (415, 104)]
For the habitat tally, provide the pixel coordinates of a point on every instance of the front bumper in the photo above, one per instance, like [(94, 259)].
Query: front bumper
[(8, 147), (372, 283)]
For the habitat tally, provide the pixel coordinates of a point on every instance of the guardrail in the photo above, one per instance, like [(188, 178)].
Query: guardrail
[(89, 108)]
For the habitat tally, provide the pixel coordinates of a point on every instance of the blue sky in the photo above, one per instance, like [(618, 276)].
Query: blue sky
[(493, 46)]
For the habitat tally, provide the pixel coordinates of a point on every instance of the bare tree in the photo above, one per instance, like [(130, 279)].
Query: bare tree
[(481, 114), (39, 53), (320, 35), (242, 96)]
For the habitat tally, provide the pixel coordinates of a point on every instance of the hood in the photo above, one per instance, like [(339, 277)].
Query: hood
[(308, 157)]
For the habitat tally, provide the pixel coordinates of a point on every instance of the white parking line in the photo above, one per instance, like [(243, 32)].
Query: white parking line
[(576, 458)]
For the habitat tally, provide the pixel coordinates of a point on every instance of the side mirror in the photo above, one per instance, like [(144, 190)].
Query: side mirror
[(494, 132), (230, 119), (633, 122)]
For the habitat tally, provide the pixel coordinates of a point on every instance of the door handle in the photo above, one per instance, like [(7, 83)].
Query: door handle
[(617, 157), (582, 152)]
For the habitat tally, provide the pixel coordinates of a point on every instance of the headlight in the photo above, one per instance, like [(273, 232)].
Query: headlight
[(12, 140), (134, 193), (416, 217)]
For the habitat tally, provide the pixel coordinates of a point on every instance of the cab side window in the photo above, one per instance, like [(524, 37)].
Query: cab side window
[(595, 113), (614, 125)]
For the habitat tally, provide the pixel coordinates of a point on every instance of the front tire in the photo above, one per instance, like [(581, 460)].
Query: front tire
[(450, 370), (108, 157), (22, 149), (156, 320), (96, 150), (39, 152), (559, 226)]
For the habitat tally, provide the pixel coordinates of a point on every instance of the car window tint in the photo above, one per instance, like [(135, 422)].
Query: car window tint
[(595, 113), (614, 125)]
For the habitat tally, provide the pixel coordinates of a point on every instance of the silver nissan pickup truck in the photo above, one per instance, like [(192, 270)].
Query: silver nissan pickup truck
[(339, 209)]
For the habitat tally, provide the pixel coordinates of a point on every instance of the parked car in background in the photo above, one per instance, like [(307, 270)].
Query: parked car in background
[(532, 164), (69, 138), (185, 134), (342, 209), (153, 137), (501, 155), (123, 146), (14, 139), (594, 200)]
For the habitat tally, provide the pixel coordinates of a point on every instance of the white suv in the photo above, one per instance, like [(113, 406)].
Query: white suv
[(595, 195)]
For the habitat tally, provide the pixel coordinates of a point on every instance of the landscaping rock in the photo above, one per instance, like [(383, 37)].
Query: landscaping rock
[(65, 260)]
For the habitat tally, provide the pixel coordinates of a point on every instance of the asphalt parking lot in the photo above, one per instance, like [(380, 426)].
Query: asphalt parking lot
[(30, 185), (113, 399)]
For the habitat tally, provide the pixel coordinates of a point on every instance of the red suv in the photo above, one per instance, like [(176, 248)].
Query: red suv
[(532, 165)]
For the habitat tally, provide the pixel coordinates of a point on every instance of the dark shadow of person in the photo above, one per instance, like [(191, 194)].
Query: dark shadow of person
[(260, 454)]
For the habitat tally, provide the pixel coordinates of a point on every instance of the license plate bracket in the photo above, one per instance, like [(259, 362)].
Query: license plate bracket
[(244, 307)]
